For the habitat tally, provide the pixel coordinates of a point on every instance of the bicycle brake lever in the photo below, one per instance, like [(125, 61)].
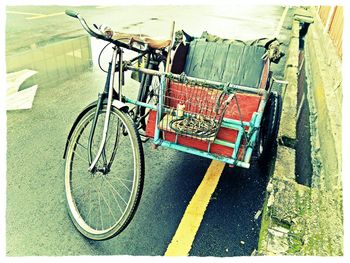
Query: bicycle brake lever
[(105, 30)]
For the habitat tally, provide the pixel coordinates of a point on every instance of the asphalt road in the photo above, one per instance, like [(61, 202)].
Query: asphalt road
[(37, 222), (23, 27)]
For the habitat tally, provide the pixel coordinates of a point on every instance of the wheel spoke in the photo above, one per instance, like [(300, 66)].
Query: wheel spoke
[(109, 208), (82, 158), (120, 180), (99, 205), (104, 204), (86, 148), (116, 191), (90, 207), (75, 188), (116, 144), (121, 210)]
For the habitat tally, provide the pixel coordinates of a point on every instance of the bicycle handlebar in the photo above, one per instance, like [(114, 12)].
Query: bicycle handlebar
[(82, 21), (72, 13), (85, 25)]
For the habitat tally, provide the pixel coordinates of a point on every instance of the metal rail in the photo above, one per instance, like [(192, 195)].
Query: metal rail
[(198, 81)]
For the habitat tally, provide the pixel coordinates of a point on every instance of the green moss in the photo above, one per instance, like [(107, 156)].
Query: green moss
[(295, 246), (283, 224), (313, 246), (265, 222), (265, 218)]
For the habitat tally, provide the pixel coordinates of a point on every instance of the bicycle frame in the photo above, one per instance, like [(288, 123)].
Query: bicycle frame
[(116, 65)]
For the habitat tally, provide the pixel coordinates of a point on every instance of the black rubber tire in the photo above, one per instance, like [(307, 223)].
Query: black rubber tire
[(76, 206), (269, 127)]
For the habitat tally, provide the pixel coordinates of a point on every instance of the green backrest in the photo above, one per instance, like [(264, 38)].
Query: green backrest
[(236, 62)]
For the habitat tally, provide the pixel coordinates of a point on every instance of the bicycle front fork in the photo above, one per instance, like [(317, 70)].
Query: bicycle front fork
[(107, 93)]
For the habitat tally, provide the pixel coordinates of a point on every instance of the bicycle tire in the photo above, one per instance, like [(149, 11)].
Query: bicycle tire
[(125, 131)]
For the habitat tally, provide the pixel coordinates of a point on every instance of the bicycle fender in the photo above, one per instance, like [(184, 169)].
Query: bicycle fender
[(120, 105), (116, 103), (81, 114)]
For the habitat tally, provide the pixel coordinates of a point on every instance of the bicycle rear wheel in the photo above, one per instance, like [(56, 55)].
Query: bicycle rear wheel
[(102, 203)]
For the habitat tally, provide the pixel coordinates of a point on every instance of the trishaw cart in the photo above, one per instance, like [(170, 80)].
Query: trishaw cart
[(210, 97)]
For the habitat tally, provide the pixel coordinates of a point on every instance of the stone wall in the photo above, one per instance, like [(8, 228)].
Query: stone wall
[(301, 220)]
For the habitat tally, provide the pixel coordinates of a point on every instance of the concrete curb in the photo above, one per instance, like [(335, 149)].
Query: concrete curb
[(298, 220), (287, 131), (277, 216)]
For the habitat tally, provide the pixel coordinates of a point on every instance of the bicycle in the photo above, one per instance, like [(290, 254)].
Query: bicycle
[(104, 160)]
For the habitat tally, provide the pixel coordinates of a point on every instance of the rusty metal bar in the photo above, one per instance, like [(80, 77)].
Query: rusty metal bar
[(198, 81)]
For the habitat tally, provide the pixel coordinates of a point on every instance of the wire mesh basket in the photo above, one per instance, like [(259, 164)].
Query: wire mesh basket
[(193, 111)]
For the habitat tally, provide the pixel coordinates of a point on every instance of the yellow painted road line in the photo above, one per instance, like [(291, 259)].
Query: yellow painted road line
[(44, 16), (182, 241), (280, 24), (23, 13)]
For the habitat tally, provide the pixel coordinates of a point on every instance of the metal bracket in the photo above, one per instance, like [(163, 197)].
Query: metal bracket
[(282, 82)]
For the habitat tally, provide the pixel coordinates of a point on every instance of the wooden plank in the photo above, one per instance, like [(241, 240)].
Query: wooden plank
[(336, 29), (189, 56), (250, 68), (236, 63), (208, 59), (329, 19), (197, 58), (323, 12), (234, 57), (219, 62)]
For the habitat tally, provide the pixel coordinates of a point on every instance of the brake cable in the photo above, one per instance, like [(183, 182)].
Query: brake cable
[(99, 58)]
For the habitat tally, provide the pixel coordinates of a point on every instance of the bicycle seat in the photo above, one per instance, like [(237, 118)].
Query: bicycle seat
[(156, 43)]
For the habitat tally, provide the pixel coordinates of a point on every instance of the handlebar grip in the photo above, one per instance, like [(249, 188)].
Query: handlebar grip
[(72, 13)]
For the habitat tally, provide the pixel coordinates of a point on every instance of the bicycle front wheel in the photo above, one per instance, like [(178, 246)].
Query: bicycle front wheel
[(102, 203)]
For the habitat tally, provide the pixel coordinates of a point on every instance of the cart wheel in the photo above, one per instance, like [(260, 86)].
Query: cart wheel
[(269, 127)]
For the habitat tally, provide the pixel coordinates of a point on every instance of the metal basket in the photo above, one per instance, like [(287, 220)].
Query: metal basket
[(193, 111)]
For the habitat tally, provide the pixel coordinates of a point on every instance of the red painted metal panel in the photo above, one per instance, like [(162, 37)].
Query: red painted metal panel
[(176, 93), (248, 104)]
